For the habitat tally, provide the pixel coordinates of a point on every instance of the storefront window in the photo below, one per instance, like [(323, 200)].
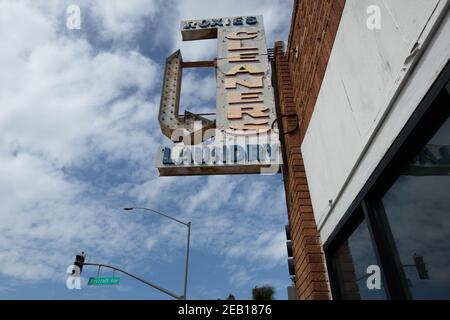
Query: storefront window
[(356, 268), (417, 207)]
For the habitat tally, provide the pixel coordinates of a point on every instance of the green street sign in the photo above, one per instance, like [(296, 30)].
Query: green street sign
[(98, 281)]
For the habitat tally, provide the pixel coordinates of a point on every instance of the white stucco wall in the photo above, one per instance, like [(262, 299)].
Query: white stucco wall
[(371, 87)]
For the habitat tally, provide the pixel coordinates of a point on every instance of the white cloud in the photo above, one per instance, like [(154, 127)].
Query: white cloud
[(276, 17), (64, 105), (73, 117), (198, 92), (115, 20), (123, 19), (236, 216)]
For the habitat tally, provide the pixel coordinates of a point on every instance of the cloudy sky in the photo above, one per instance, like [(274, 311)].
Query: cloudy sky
[(78, 135)]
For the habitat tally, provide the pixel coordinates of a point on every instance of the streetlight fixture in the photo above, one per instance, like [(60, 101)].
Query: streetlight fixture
[(188, 225)]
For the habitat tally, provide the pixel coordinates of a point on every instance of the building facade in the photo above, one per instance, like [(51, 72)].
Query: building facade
[(363, 97)]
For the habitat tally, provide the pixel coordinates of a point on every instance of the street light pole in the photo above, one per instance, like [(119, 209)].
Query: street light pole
[(188, 225), (187, 260)]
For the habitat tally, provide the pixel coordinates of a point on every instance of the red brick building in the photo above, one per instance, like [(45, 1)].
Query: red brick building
[(299, 72)]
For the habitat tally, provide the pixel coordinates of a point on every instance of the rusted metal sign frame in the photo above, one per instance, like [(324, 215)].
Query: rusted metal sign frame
[(243, 76)]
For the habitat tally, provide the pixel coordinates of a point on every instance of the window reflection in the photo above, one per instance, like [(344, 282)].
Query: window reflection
[(352, 259), (418, 210)]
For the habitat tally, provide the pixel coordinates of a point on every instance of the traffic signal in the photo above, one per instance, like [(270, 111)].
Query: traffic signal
[(289, 248), (289, 251), (291, 267), (79, 260), (421, 267), (287, 229)]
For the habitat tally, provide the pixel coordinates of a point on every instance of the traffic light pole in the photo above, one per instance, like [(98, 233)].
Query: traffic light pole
[(173, 295), (79, 260)]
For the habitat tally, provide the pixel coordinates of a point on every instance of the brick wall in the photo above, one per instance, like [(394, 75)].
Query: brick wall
[(347, 273), (299, 70)]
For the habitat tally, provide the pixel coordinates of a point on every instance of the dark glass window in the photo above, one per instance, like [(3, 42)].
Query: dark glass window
[(407, 210), (417, 207), (351, 260)]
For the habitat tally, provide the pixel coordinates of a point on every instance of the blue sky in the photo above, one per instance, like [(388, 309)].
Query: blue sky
[(78, 135)]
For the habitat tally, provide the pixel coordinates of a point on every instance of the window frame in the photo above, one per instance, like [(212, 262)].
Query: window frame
[(422, 125)]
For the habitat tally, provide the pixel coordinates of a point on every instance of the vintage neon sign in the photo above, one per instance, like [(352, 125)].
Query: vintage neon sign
[(245, 107)]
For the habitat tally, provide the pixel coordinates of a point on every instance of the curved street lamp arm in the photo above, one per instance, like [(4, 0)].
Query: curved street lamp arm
[(162, 214)]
